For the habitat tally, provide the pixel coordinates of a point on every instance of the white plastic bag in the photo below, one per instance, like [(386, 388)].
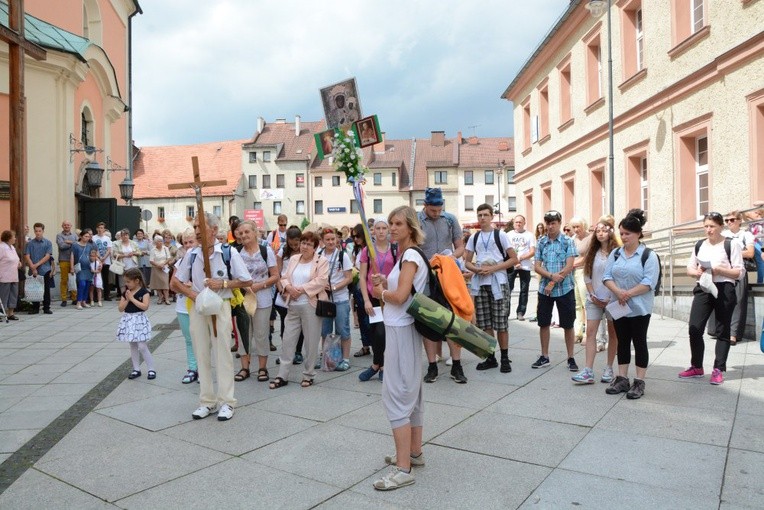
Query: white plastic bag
[(208, 302), (332, 353), (34, 289), (71, 283), (707, 283)]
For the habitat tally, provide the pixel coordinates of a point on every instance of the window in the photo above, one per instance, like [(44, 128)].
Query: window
[(279, 180), (632, 39), (353, 207), (266, 155), (697, 15), (266, 181), (189, 211), (318, 181), (441, 177), (217, 210), (511, 203), (511, 175), (544, 112), (253, 157), (300, 207), (377, 178), (377, 206), (335, 180), (568, 197), (160, 213), (276, 207), (318, 207), (528, 194), (468, 178), (593, 68), (489, 200), (597, 188), (643, 184), (701, 175), (395, 178), (257, 206), (527, 124), (252, 182), (469, 203), (546, 196), (85, 128), (489, 176), (419, 201), (756, 144), (640, 36), (688, 18), (566, 112), (299, 180)]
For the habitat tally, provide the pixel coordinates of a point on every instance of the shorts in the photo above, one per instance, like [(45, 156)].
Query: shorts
[(595, 313), (340, 324), (492, 313), (566, 309)]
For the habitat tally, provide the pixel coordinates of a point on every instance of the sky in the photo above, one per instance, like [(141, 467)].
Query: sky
[(205, 71)]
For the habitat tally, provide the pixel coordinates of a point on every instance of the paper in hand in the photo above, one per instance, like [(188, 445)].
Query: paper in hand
[(618, 310), (377, 317)]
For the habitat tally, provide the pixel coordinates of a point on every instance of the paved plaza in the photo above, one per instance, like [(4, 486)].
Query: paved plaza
[(75, 433)]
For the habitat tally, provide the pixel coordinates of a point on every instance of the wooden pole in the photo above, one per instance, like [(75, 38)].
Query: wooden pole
[(17, 173)]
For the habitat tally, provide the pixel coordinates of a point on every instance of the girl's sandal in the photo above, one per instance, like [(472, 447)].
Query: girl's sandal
[(262, 375), (306, 383), (278, 383), (241, 375)]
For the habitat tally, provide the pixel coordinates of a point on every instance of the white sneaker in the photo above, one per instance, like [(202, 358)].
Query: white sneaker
[(225, 413), (79, 307), (100, 304), (203, 412), (415, 461), (449, 361), (395, 479), (520, 317)]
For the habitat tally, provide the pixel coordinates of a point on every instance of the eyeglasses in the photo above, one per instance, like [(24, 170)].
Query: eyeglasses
[(282, 224), (356, 236), (730, 220)]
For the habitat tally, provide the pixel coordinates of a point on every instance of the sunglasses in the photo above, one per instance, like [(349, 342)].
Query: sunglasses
[(715, 215), (282, 224), (730, 220), (566, 230)]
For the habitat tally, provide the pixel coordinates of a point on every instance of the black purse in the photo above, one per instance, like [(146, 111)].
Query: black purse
[(327, 309)]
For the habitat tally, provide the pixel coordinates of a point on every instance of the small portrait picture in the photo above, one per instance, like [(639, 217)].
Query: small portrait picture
[(324, 143), (367, 131), (341, 106)]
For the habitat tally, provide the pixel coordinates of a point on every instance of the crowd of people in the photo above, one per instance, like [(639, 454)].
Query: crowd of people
[(597, 284)]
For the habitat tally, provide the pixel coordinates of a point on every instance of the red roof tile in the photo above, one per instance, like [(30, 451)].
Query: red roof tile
[(291, 147), (156, 167)]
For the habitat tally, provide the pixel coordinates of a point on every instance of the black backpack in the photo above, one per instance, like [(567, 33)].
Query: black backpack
[(435, 292), (645, 255)]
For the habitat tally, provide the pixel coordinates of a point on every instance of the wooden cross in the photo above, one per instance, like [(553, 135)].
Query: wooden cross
[(13, 34), (197, 186)]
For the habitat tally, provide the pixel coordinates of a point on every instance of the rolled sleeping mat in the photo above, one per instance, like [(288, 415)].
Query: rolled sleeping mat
[(439, 318)]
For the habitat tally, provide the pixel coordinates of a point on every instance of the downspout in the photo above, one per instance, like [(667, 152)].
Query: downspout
[(129, 108)]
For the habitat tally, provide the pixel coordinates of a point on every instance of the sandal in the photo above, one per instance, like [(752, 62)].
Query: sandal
[(306, 383), (363, 351), (241, 375), (262, 375), (278, 383), (190, 377), (151, 375), (134, 374)]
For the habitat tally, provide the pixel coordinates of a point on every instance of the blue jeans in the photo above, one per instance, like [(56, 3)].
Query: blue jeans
[(759, 263), (340, 324), (363, 319), (82, 290)]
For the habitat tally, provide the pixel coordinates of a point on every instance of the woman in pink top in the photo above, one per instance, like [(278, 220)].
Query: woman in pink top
[(385, 259), (9, 273)]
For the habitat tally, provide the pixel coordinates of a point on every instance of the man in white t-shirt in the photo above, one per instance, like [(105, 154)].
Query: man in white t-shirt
[(524, 243), (489, 286), (102, 241)]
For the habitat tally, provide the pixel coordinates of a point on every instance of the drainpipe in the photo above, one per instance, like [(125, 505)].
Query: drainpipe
[(129, 108)]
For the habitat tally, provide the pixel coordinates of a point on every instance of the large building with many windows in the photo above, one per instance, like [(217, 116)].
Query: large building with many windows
[(688, 111)]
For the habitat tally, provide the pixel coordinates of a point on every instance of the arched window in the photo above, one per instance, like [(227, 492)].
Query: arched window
[(86, 127)]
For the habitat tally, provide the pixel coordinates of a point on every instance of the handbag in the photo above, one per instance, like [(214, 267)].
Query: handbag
[(117, 267), (34, 289), (750, 265), (327, 309)]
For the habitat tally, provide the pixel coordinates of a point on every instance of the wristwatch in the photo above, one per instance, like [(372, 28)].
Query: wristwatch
[(225, 284)]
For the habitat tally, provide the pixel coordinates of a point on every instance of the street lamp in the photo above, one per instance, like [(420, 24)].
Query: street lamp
[(597, 8)]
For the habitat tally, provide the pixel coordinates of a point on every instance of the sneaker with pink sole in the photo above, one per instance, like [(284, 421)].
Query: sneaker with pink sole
[(691, 372), (717, 377)]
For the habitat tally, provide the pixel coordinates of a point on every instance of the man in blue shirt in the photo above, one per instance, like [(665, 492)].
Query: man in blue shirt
[(555, 253), (38, 255)]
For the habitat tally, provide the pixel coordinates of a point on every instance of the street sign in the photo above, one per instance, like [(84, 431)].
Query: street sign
[(146, 215), (336, 209), (255, 215)]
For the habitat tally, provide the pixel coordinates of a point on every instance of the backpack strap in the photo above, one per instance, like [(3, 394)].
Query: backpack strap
[(394, 249), (264, 253), (430, 276), (727, 248)]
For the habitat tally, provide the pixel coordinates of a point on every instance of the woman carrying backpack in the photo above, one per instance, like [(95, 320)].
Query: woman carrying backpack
[(720, 258), (632, 281), (402, 385)]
